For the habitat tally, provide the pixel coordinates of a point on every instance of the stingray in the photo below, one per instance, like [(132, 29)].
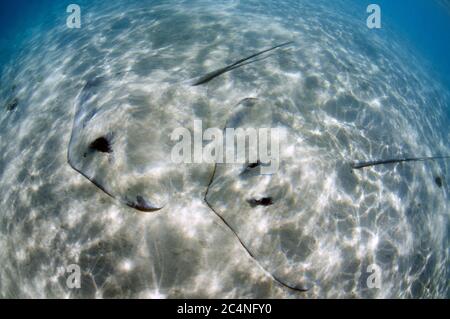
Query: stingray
[(241, 196), (360, 165), (97, 149), (95, 144)]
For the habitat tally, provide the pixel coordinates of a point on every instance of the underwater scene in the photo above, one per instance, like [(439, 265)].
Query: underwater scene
[(224, 149)]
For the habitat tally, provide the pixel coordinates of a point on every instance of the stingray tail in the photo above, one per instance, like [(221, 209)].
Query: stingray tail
[(360, 165), (245, 61)]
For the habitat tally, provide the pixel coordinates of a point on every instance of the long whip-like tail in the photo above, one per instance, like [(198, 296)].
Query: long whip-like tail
[(360, 165), (208, 77)]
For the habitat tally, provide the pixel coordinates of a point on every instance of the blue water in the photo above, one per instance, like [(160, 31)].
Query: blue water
[(339, 93), (423, 24)]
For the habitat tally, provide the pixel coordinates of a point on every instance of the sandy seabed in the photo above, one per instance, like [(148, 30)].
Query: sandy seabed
[(339, 93)]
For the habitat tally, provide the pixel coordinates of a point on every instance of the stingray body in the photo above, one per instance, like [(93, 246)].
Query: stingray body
[(242, 198), (92, 150)]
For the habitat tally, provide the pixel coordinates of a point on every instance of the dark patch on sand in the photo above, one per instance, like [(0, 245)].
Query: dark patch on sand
[(438, 181), (12, 104)]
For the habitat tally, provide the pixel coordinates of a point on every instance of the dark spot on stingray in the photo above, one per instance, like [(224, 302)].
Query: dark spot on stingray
[(253, 168), (12, 105), (141, 204), (250, 167), (253, 165), (438, 181), (102, 144), (265, 201)]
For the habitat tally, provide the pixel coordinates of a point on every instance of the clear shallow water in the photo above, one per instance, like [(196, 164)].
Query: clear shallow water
[(340, 93)]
